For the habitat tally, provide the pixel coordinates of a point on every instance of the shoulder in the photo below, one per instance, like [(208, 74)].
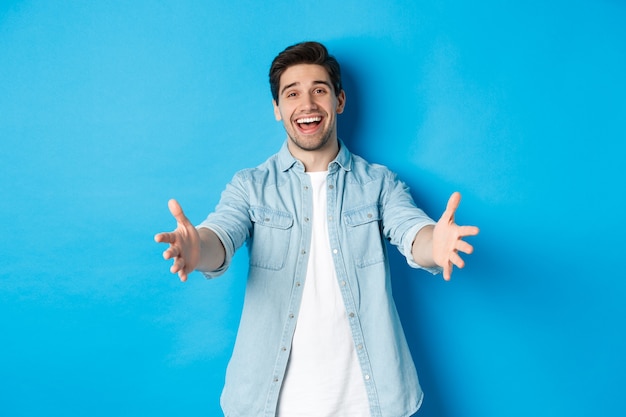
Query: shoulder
[(261, 173), (364, 171)]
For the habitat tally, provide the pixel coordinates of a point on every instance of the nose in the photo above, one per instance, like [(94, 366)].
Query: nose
[(308, 102)]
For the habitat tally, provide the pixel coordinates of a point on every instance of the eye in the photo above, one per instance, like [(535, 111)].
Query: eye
[(319, 91)]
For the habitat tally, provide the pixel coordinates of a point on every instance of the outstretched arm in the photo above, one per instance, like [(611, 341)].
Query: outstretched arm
[(190, 248), (440, 245)]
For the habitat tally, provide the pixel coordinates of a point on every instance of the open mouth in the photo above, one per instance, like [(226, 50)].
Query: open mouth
[(308, 124)]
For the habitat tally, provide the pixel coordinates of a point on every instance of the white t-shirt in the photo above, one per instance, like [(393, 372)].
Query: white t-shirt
[(323, 376)]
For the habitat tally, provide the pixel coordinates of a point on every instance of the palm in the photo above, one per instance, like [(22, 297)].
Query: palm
[(448, 239), (184, 243)]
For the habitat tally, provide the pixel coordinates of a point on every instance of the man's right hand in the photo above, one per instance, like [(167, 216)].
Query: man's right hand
[(184, 243)]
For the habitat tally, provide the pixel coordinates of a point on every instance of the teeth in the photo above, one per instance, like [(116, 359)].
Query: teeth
[(309, 119)]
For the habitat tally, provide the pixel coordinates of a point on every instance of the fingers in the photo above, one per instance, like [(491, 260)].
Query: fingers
[(179, 266), (177, 211), (180, 217), (447, 271), (174, 251), (453, 204), (468, 231), (171, 252), (452, 236), (164, 238), (462, 246), (455, 260)]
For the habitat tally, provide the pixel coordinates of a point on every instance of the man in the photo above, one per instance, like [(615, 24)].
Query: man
[(319, 333)]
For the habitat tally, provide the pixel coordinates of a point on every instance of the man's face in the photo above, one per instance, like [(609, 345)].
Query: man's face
[(307, 106)]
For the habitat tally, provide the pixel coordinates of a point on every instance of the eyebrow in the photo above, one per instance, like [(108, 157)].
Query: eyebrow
[(326, 83)]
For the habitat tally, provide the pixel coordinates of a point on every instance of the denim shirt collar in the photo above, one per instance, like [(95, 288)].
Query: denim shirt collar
[(343, 159)]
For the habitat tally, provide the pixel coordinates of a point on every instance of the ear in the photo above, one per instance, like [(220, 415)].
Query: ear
[(341, 102), (277, 114)]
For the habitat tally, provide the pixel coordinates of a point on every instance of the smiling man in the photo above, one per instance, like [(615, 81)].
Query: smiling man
[(319, 333), (308, 105)]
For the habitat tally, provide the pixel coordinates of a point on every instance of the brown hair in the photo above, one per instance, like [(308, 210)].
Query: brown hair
[(304, 53)]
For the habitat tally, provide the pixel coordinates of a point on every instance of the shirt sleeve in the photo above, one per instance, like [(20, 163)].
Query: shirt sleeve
[(230, 221), (402, 219), (228, 247)]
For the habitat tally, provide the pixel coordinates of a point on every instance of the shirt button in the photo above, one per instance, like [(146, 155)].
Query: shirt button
[(275, 379), (360, 347), (367, 377), (306, 219), (330, 218), (331, 186), (284, 349), (343, 283), (351, 315), (335, 251), (298, 284), (291, 316), (306, 187), (369, 215), (303, 252)]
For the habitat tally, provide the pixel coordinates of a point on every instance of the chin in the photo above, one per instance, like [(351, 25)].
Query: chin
[(310, 144)]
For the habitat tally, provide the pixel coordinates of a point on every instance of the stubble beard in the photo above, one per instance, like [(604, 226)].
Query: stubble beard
[(313, 144)]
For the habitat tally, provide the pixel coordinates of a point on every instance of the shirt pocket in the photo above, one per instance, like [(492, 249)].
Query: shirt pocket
[(364, 234), (270, 237)]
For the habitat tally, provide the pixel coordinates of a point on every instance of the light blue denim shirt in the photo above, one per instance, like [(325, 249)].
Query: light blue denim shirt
[(269, 208)]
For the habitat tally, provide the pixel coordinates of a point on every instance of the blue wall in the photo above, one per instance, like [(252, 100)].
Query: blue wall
[(108, 109)]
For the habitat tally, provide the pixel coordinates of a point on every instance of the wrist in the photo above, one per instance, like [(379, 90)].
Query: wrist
[(422, 247)]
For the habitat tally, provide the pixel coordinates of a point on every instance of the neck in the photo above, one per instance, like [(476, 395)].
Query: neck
[(316, 160)]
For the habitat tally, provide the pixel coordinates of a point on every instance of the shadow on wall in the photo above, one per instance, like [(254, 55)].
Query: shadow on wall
[(349, 121)]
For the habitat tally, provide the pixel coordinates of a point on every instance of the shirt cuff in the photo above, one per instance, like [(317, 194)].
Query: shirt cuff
[(408, 246), (229, 251)]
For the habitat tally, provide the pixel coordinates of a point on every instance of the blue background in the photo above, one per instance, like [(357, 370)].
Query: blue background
[(108, 109)]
